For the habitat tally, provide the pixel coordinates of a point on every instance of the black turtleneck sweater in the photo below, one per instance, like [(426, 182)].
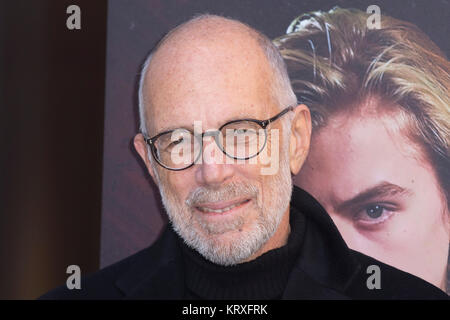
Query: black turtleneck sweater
[(263, 278)]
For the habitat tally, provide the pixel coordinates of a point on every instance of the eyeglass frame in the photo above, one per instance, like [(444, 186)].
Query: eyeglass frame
[(214, 133)]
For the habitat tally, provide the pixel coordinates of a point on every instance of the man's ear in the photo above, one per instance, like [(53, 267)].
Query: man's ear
[(300, 138), (141, 147)]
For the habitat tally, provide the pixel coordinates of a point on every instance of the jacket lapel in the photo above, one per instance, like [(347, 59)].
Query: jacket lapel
[(159, 274), (302, 287), (325, 266)]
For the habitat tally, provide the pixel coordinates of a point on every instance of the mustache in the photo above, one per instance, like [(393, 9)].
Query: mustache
[(229, 191)]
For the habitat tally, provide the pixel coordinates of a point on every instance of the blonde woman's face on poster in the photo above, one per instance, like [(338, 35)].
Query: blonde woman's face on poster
[(381, 193)]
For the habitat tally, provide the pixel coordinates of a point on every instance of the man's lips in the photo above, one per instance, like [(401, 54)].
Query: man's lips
[(221, 206)]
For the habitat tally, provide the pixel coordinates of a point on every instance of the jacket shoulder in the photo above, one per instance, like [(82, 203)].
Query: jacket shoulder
[(377, 280)]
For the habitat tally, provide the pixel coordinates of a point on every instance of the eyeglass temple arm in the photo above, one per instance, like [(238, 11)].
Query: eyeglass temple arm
[(148, 140), (268, 121)]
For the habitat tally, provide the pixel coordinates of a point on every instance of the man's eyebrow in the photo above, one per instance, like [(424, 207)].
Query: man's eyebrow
[(191, 126), (173, 128), (382, 189)]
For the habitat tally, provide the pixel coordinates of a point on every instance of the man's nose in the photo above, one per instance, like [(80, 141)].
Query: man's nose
[(214, 169)]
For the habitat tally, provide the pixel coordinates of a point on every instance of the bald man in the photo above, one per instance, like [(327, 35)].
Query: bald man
[(221, 135)]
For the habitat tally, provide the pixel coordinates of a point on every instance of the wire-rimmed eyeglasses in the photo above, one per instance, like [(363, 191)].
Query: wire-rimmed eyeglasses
[(240, 139)]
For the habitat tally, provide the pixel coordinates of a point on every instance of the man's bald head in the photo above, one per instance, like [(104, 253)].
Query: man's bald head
[(219, 38)]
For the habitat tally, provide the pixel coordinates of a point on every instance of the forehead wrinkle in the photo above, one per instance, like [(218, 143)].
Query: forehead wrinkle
[(219, 57)]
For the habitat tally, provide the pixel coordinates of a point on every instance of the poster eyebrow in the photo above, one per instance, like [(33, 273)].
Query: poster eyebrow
[(382, 189)]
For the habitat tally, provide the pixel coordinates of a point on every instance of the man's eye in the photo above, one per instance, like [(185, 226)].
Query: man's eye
[(240, 131), (178, 141), (172, 144)]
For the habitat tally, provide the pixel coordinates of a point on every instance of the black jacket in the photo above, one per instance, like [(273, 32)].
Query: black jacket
[(325, 269)]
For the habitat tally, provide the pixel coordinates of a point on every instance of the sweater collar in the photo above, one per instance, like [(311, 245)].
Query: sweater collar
[(262, 278)]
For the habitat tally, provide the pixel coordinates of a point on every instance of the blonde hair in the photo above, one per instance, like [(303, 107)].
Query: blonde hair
[(336, 62)]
